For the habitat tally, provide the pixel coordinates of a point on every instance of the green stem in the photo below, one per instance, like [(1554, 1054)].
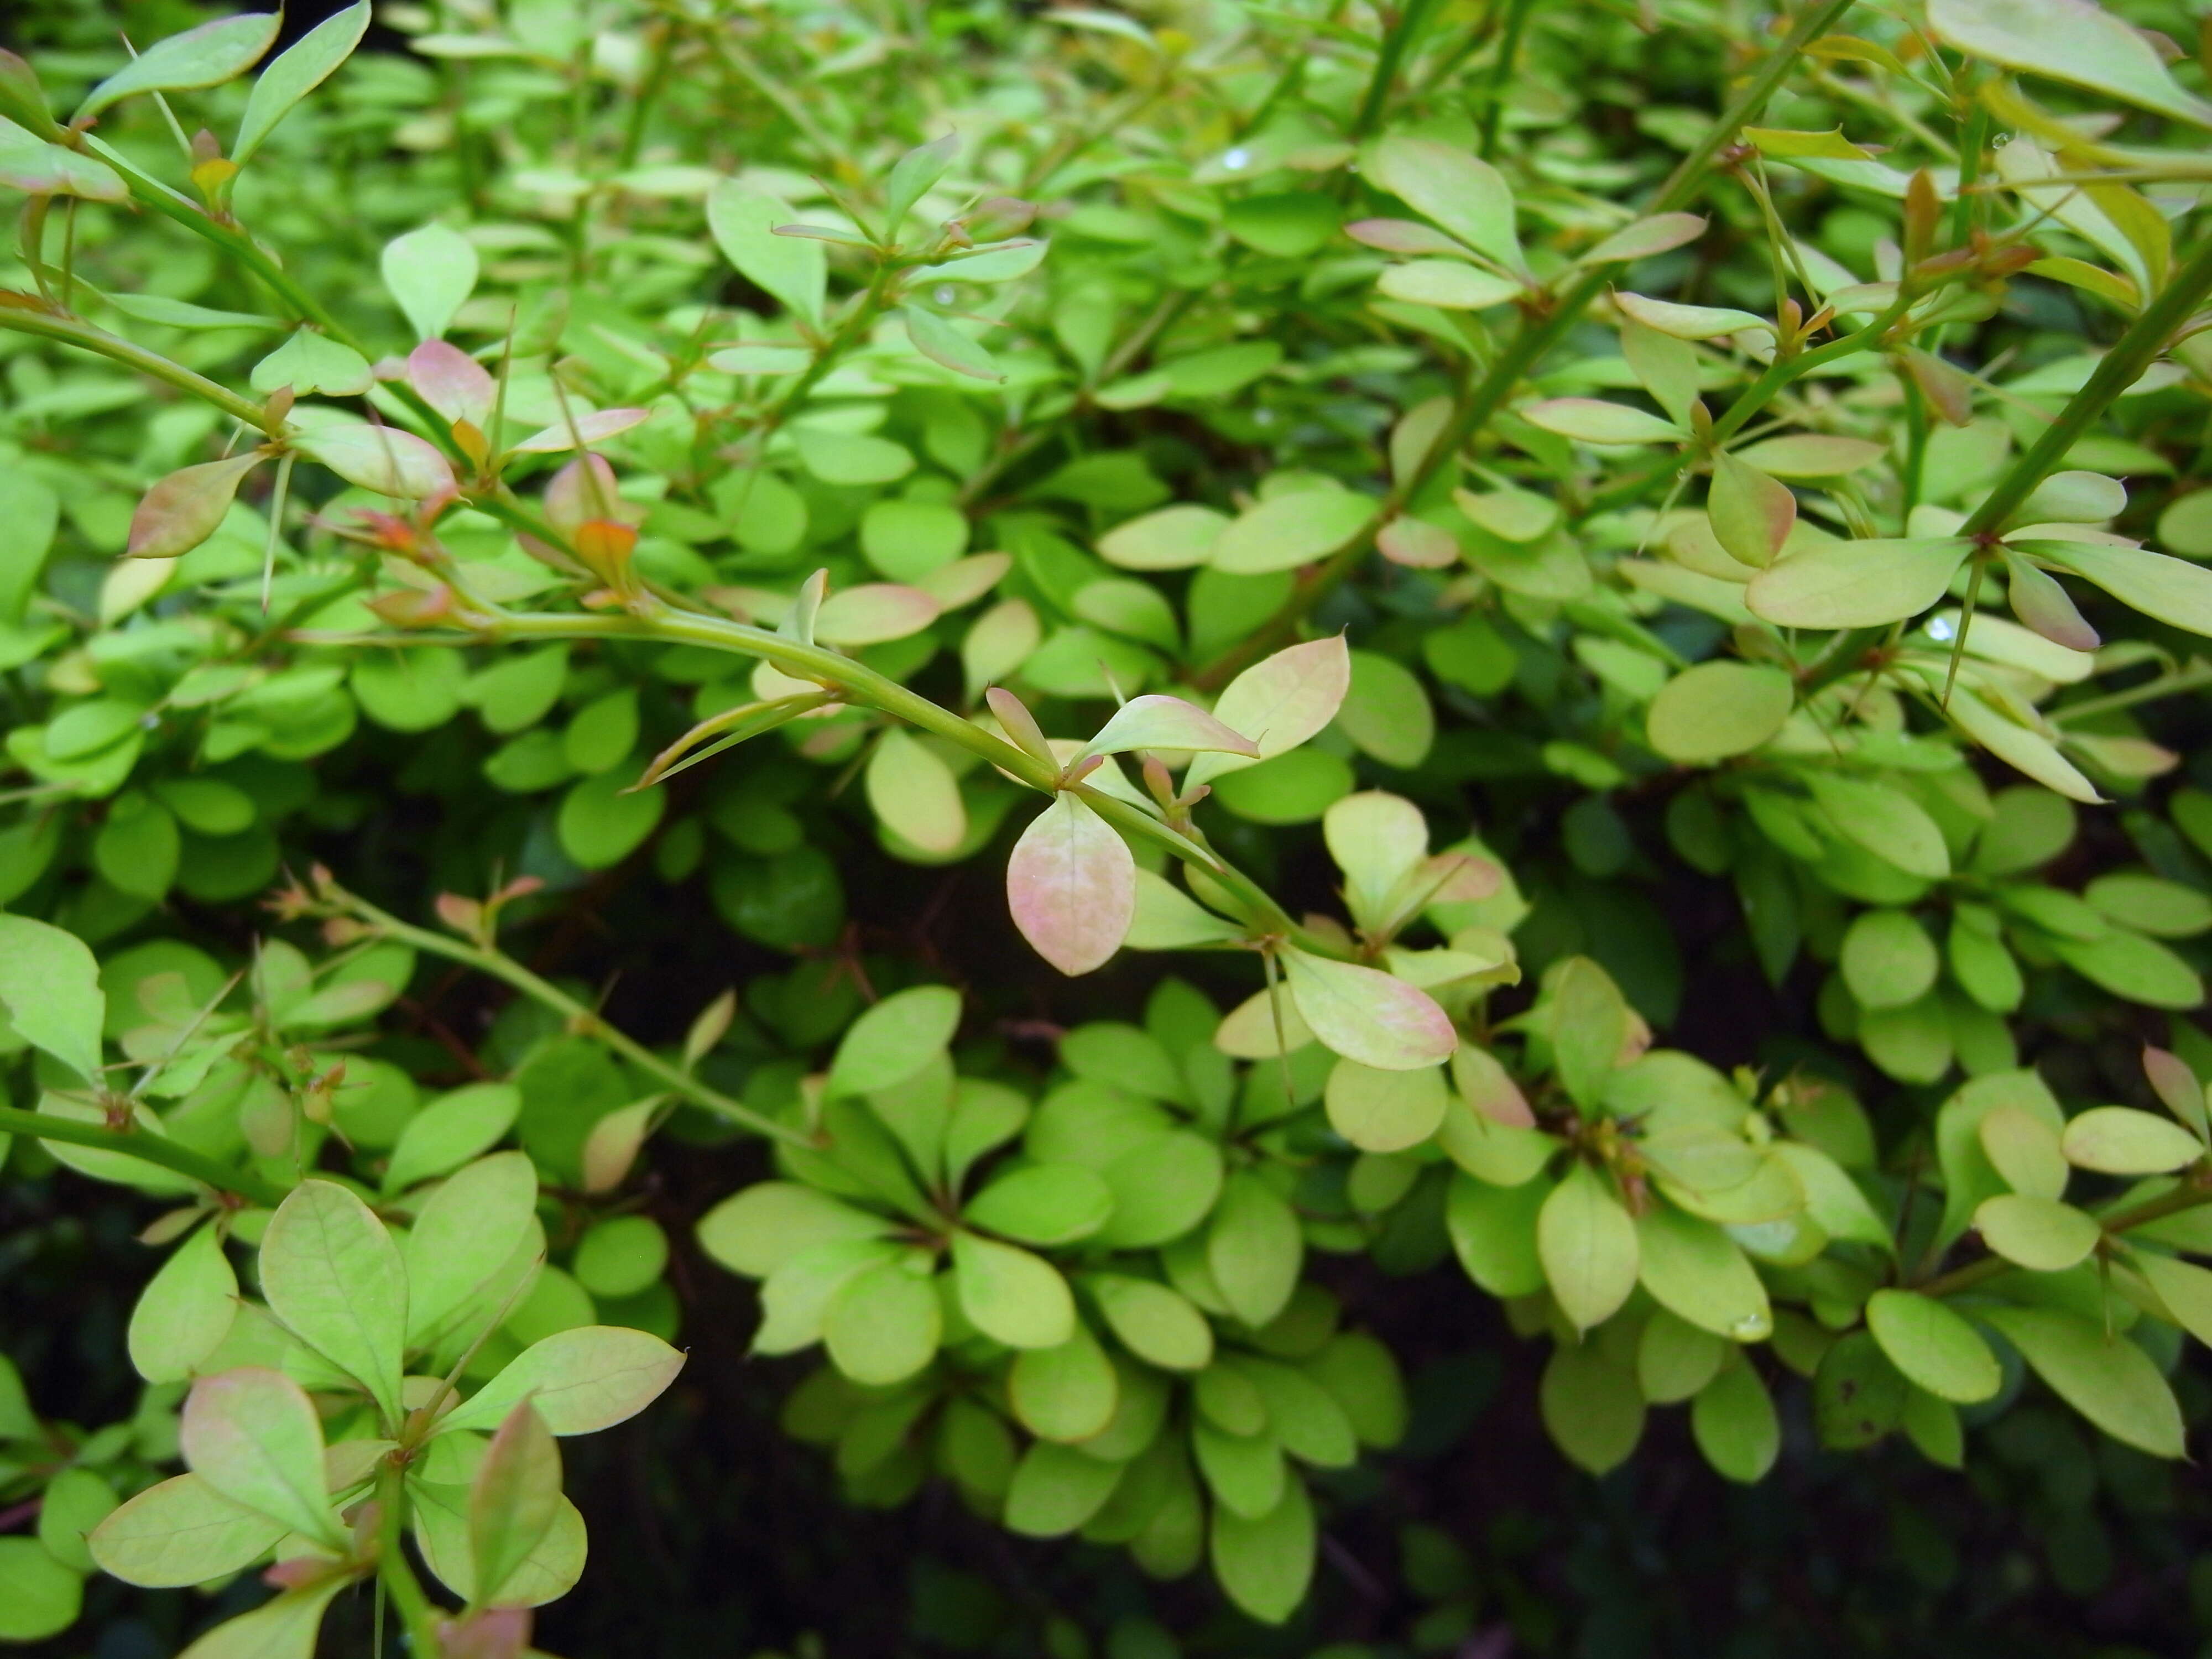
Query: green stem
[(147, 1149), (2120, 368), (416, 1613), (2196, 674), (71, 331), (1395, 45), (1501, 72), (2182, 1199), (584, 1020), (1526, 349)]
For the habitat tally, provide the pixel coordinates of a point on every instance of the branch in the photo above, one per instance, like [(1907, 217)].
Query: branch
[(2183, 1197), (148, 1149)]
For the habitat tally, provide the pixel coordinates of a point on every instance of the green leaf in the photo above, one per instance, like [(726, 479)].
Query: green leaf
[(1592, 420), (1042, 1204), (1886, 822), (2120, 1140), (2038, 1233), (1447, 283), (1856, 584), (1751, 515), (1157, 722), (756, 1231), (1591, 1407), (1689, 322), (1254, 1248), (302, 67), (1858, 1396), (1468, 197), (602, 820), (2025, 1151), (1588, 1024), (1934, 1347), (1674, 1359), (1368, 1015), (1265, 1564), (1056, 1490), (179, 1532), (936, 338), (2070, 41), (1734, 1421), (464, 1233), (50, 990), (1493, 1231), (1066, 1392), (1290, 529), (76, 1501), (184, 509), (1380, 1111), (1588, 1244), (792, 269), (254, 1437), (1386, 711), (2106, 1378), (1888, 959), (513, 1501), (283, 1627), (430, 272), (2132, 967), (39, 1595), (1173, 538), (202, 56), (184, 1311), (1718, 709), (450, 1131), (1158, 1325), (912, 176), (333, 1275), (2174, 590), (1695, 1271), (441, 1517), (914, 794), (894, 1040), (582, 1381), (1010, 1295)]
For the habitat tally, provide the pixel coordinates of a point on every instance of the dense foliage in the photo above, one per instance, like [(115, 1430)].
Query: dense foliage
[(1602, 605)]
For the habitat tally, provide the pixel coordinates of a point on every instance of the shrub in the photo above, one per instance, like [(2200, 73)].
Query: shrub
[(1580, 580)]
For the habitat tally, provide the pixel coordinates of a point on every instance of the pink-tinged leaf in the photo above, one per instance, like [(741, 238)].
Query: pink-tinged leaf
[(1280, 701), (1071, 885), (2178, 1087), (1657, 234), (1159, 721), (182, 510), (584, 490), (1751, 515), (1416, 543), (452, 382), (914, 794), (587, 430), (1020, 726), (1402, 236), (873, 613), (2043, 605), (1456, 878), (1490, 1089), (1367, 1016), (41, 169), (381, 458)]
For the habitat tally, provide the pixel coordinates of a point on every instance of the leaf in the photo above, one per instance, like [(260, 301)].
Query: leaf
[(2119, 1140), (1042, 1204), (756, 1231), (2070, 41), (254, 1437), (302, 67), (1387, 712), (186, 507), (1158, 1325), (914, 794), (39, 1596), (450, 1131), (1381, 1111), (1254, 1248), (1590, 1407), (2174, 590), (1366, 1015), (333, 1275), (1935, 1348), (1592, 420), (464, 1233), (2043, 605), (1735, 1424), (1071, 884), (1888, 959), (2107, 1379), (181, 1531), (1068, 1392), (1717, 709), (1588, 1022), (1447, 283), (2040, 1234), (1281, 701), (1173, 538), (381, 458), (936, 338), (743, 222), (42, 169), (1695, 1271), (1288, 530), (850, 458), (912, 176), (1588, 1244), (2177, 1087), (1010, 1295), (514, 1500), (1659, 234), (1468, 197), (1856, 584), (283, 1627), (590, 426), (1751, 515), (1157, 722), (50, 991), (202, 56), (184, 1311), (1886, 822), (582, 1381), (1688, 322), (1810, 455), (884, 1323), (1056, 1490), (430, 272), (1265, 1565)]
